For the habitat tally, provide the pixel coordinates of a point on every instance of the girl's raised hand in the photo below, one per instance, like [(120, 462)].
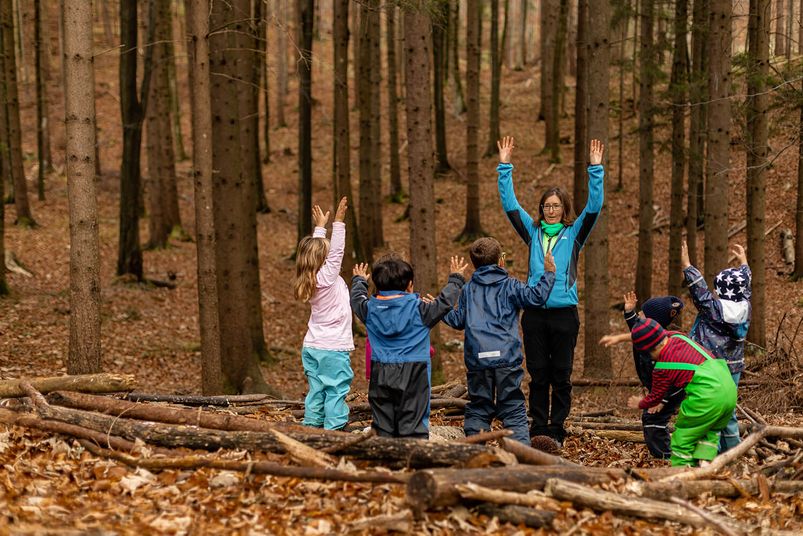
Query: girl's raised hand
[(458, 265), (630, 301), (505, 146), (597, 150), (318, 217), (361, 270), (342, 207)]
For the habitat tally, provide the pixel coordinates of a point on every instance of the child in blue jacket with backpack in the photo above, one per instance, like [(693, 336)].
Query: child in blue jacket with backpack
[(488, 310)]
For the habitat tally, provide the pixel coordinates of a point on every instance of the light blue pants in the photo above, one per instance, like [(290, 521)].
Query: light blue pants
[(329, 376), (729, 437)]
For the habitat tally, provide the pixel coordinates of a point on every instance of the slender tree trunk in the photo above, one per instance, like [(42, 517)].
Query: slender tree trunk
[(281, 64), (364, 96), (266, 75), (24, 216), (420, 165), (800, 29), (5, 146), (646, 156), (798, 273), (473, 226), (625, 23), (678, 85), (780, 28), (175, 104), (249, 104), (79, 116), (636, 36), (108, 33), (719, 119), (581, 104), (304, 45), (553, 118), (496, 75), (42, 130), (132, 106), (597, 292), (571, 41), (396, 189), (3, 283), (697, 120), (549, 26), (523, 30), (212, 377), (376, 124), (758, 54), (790, 15), (454, 64), (439, 54)]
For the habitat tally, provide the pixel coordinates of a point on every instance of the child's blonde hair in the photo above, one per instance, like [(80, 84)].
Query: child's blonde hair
[(310, 257)]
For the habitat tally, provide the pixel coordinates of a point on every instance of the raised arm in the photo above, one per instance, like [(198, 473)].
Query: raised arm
[(521, 220), (456, 318), (359, 291), (596, 194), (330, 270), (705, 302), (434, 311)]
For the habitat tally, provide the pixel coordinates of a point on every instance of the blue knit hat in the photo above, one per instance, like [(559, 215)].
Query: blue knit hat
[(660, 309), (647, 334)]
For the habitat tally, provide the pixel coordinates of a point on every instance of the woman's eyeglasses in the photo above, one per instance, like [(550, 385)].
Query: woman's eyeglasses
[(551, 207)]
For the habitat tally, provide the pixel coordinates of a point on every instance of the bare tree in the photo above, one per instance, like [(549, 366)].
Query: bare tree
[(581, 105), (396, 189), (780, 28), (697, 124), (281, 63), (365, 98), (496, 75), (42, 123), (558, 59), (79, 116), (304, 12), (439, 56), (646, 157), (549, 28), (376, 204), (453, 39)]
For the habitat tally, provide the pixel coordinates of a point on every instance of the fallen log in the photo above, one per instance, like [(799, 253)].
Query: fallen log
[(599, 413), (490, 435), (431, 488), (87, 383), (633, 382), (261, 467), (518, 515), (620, 435), (531, 456), (533, 498), (691, 489), (621, 426), (193, 400), (602, 501)]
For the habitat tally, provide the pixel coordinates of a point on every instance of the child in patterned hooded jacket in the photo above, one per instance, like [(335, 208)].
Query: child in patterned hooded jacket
[(722, 320)]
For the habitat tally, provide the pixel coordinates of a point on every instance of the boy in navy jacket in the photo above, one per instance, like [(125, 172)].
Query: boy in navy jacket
[(488, 311), (398, 323)]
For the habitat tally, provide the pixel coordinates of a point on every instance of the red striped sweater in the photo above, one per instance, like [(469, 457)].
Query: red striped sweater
[(675, 351)]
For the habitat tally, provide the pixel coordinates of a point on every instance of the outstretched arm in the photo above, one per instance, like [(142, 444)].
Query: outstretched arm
[(359, 291), (330, 270), (521, 220), (456, 318), (705, 302), (433, 312), (596, 194)]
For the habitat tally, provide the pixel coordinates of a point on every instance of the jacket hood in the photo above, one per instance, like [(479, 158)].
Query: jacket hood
[(490, 274), (393, 315)]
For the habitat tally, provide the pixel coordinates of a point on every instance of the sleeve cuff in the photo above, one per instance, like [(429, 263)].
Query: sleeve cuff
[(319, 232)]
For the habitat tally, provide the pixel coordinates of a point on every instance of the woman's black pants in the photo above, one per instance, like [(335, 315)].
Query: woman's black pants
[(550, 336)]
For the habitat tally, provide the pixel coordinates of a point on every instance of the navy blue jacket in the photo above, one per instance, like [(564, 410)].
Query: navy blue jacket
[(488, 310)]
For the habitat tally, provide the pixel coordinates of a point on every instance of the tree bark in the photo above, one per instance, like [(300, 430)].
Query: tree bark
[(697, 125), (281, 64), (780, 28), (439, 54), (553, 117), (799, 214), (718, 157), (249, 69), (757, 152), (581, 107), (304, 12), (42, 122), (473, 226), (625, 23), (518, 515), (396, 189), (175, 103), (79, 116), (24, 215), (716, 488), (266, 75), (87, 383), (678, 84), (454, 64), (549, 26), (646, 157), (496, 75), (376, 125), (420, 166), (365, 97), (597, 362)]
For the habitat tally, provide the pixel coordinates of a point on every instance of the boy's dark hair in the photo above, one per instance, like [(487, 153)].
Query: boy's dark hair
[(485, 251), (565, 200), (391, 272)]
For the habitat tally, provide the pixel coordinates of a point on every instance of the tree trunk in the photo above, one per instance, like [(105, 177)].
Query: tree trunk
[(234, 208), (212, 378), (780, 28), (454, 63), (396, 189), (625, 23), (553, 117), (646, 172), (496, 75), (718, 157), (420, 166), (42, 129), (161, 181), (374, 25), (24, 216), (439, 54), (473, 226), (5, 149), (281, 64), (266, 75), (365, 96), (79, 116), (304, 12), (3, 283), (678, 84), (597, 292), (697, 119), (549, 26), (523, 30), (756, 135), (342, 144), (580, 107), (798, 273)]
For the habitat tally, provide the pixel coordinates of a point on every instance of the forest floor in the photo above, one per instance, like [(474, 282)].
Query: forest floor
[(152, 332)]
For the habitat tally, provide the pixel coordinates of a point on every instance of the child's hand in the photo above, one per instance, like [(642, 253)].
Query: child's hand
[(361, 270), (318, 217), (549, 262), (741, 256), (458, 265), (630, 301), (429, 298), (342, 207), (597, 150), (609, 340), (684, 255), (655, 409), (505, 146), (633, 402)]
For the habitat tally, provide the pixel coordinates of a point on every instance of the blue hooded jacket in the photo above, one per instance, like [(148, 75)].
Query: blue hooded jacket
[(570, 240), (488, 310)]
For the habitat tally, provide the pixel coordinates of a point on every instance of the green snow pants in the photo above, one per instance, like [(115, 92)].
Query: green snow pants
[(706, 410)]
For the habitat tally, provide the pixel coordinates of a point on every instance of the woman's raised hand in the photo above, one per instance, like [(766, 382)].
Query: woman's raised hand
[(597, 150), (318, 217), (340, 215), (505, 149)]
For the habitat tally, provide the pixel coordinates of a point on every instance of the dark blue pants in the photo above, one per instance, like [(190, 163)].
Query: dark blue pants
[(656, 425), (496, 393), (399, 397)]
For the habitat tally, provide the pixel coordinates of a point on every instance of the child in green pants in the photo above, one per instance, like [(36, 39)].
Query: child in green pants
[(710, 390)]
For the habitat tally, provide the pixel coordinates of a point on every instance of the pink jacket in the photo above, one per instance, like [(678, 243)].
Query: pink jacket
[(329, 326)]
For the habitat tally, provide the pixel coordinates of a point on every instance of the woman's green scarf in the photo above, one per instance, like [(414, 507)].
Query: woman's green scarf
[(551, 229)]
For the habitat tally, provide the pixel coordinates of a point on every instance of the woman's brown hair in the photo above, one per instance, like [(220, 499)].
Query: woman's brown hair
[(568, 216)]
